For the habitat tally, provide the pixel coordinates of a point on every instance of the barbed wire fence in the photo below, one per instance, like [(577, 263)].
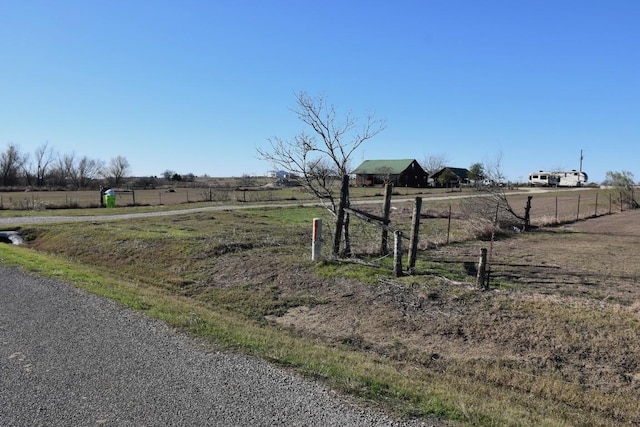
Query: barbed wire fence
[(480, 218)]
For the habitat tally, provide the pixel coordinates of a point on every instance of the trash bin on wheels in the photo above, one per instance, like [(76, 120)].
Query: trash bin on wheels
[(110, 199)]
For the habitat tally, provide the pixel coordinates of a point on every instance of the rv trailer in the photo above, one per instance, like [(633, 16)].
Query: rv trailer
[(542, 179), (571, 178)]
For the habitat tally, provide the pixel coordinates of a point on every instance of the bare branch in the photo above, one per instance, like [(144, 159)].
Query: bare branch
[(322, 159)]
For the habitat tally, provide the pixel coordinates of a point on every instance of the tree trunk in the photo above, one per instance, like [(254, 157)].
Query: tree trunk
[(384, 247), (527, 214), (347, 237), (482, 270), (340, 215), (415, 233)]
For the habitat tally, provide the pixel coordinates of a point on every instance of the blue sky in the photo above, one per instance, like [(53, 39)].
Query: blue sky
[(196, 86)]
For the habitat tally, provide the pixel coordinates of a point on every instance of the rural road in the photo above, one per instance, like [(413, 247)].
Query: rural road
[(69, 358)]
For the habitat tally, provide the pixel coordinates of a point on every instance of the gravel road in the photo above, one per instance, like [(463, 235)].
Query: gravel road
[(69, 358)]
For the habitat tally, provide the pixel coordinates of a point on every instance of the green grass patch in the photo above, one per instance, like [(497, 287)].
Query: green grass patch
[(352, 270)]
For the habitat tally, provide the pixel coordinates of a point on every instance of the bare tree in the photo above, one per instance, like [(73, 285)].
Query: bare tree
[(77, 173), (11, 162), (44, 159), (434, 163), (59, 171), (492, 209), (67, 167), (86, 171), (118, 169), (322, 159)]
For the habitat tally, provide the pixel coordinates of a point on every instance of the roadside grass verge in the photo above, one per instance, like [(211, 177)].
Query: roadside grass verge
[(395, 386), (363, 375)]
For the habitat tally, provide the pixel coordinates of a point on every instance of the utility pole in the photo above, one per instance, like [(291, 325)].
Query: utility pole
[(580, 176)]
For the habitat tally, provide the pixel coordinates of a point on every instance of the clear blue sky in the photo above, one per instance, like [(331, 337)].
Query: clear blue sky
[(195, 86)]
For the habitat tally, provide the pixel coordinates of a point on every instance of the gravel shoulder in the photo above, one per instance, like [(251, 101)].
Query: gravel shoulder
[(72, 358)]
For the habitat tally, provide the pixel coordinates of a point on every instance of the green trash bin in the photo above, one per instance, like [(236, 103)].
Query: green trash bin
[(110, 199)]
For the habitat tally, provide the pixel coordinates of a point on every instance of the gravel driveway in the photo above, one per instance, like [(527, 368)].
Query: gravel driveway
[(68, 358)]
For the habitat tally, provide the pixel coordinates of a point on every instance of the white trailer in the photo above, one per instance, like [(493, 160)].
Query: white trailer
[(572, 178), (542, 179)]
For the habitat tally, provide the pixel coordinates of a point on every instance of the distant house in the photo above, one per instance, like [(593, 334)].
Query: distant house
[(450, 177), (401, 173), (278, 174)]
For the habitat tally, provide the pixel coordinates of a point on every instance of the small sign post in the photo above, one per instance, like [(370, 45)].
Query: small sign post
[(317, 239)]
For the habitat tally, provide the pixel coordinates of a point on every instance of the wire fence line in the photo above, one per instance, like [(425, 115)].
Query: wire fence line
[(445, 216), (443, 222), (42, 200)]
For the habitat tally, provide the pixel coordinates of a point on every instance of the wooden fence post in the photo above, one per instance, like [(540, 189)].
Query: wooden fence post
[(527, 214), (610, 203), (596, 211), (415, 233), (397, 253), (316, 239), (578, 213), (449, 225), (384, 248), (482, 269)]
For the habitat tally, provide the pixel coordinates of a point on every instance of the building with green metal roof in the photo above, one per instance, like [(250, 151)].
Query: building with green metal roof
[(450, 177), (401, 172)]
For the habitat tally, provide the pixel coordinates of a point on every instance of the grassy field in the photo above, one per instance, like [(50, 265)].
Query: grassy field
[(554, 342), (168, 196)]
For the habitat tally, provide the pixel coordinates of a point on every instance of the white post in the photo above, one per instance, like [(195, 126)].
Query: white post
[(397, 253), (317, 239)]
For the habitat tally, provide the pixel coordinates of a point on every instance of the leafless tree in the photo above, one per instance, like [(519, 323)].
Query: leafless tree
[(434, 163), (118, 169), (86, 171), (77, 173), (491, 209), (322, 158), (44, 158), (11, 162)]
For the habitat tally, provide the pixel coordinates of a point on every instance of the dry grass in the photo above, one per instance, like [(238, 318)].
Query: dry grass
[(554, 342)]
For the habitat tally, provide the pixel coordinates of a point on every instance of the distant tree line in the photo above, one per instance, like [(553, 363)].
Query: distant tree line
[(170, 175), (44, 168), (47, 169)]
